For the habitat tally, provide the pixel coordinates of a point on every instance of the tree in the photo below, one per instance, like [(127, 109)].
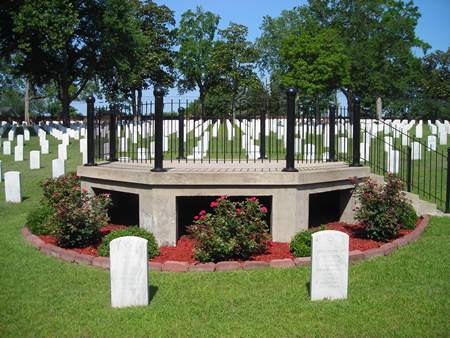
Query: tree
[(54, 42), (238, 57), (378, 36), (198, 61), (316, 63), (137, 45)]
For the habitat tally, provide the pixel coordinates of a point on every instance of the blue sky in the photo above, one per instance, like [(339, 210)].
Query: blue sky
[(433, 26)]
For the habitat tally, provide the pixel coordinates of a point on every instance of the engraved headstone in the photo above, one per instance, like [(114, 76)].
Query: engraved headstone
[(6, 147), (58, 168), (62, 151), (329, 271), (129, 271), (416, 150), (44, 147), (35, 159), (13, 191), (18, 153), (431, 142)]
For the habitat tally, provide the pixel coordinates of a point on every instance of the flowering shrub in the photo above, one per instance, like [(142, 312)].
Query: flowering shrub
[(78, 215), (152, 246), (234, 230), (381, 207), (39, 220)]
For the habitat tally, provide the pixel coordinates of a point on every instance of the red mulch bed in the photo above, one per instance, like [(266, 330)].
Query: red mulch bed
[(184, 250)]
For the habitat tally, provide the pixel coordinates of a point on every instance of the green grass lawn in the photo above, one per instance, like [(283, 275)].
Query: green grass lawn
[(405, 294)]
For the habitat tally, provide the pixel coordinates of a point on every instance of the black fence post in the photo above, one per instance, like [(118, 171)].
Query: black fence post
[(356, 132), (181, 134), (290, 130), (262, 136), (113, 132), (158, 92), (332, 133), (447, 195), (90, 131), (409, 168)]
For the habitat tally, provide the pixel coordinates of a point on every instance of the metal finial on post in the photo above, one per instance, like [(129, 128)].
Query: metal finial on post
[(90, 131), (181, 111), (158, 92), (356, 161), (332, 133), (290, 130)]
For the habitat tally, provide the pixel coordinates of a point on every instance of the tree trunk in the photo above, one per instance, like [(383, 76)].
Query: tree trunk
[(202, 103), (27, 102), (65, 102)]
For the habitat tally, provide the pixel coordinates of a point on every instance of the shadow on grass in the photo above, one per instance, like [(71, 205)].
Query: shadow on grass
[(308, 288), (152, 290)]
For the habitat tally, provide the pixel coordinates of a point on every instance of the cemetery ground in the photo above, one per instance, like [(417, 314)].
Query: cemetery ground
[(404, 294)]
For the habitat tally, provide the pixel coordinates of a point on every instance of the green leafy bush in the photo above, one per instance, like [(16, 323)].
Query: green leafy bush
[(407, 217), (62, 188), (380, 208), (234, 230), (152, 246), (39, 220), (301, 243)]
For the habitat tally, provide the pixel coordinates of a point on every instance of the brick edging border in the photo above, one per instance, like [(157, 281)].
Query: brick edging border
[(175, 266)]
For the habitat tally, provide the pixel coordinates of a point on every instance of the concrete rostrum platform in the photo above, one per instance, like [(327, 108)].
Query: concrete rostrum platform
[(175, 266), (290, 192)]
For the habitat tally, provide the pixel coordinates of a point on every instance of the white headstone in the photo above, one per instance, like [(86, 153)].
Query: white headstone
[(443, 138), (62, 151), (6, 147), (1, 171), (416, 150), (419, 130), (35, 159), (26, 134), (394, 161), (20, 140), (58, 168), (13, 191), (329, 271), (431, 142), (44, 147), (18, 153), (129, 271)]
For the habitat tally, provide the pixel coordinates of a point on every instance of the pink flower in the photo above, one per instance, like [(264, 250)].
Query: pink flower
[(263, 209), (238, 211), (196, 217), (85, 190), (214, 204), (223, 197), (202, 212), (252, 199), (202, 217)]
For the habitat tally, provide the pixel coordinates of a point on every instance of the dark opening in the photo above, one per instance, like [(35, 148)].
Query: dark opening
[(190, 206), (326, 207), (125, 207)]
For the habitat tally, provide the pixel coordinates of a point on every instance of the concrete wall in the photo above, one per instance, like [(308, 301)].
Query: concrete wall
[(290, 199)]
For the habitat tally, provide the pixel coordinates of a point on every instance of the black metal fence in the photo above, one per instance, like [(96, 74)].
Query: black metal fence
[(260, 131)]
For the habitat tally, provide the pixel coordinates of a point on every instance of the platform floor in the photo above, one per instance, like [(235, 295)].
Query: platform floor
[(213, 167)]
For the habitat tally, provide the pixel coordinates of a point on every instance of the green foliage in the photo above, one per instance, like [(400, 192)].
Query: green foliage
[(301, 244), (39, 220), (234, 230), (152, 246), (407, 216), (378, 39), (78, 214), (316, 63), (380, 208)]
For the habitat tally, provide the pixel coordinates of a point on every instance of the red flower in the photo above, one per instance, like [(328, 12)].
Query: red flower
[(238, 211), (223, 197), (263, 209), (252, 199), (196, 217), (202, 217), (202, 212), (214, 204)]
